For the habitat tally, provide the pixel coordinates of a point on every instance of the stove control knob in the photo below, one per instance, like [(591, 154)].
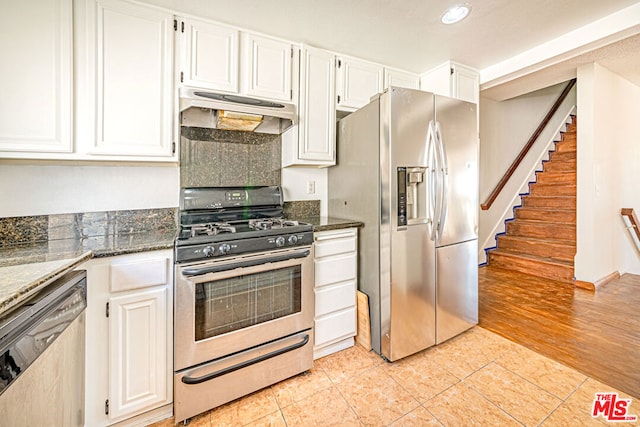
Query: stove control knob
[(224, 249), (280, 241), (207, 251), (293, 239)]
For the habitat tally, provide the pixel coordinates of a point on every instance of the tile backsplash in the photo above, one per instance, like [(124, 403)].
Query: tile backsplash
[(213, 158)]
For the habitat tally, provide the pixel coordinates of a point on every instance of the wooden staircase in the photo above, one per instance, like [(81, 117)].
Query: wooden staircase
[(541, 239)]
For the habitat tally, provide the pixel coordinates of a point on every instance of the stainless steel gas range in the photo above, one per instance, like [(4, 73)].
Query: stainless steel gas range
[(243, 296)]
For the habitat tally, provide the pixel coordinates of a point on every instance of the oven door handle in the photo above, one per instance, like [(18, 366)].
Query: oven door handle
[(232, 368), (187, 272)]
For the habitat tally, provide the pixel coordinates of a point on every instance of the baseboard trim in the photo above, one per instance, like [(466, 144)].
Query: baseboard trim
[(598, 283)]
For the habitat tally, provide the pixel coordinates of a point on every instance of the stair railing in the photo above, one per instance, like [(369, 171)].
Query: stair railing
[(633, 222), (543, 124)]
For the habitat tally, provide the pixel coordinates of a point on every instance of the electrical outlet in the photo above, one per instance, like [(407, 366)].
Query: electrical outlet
[(311, 187)]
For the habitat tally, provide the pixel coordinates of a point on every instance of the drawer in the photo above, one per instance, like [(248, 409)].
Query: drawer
[(335, 244), (139, 274), (335, 326), (335, 297), (335, 269)]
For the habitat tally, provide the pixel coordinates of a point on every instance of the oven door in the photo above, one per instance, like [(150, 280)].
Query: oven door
[(227, 306)]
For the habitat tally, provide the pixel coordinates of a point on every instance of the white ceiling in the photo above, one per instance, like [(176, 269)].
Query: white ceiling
[(407, 34)]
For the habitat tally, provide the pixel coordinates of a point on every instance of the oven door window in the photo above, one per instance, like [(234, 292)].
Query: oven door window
[(226, 305)]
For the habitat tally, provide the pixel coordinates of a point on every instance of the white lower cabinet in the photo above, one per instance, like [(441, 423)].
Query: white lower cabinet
[(335, 261), (129, 354)]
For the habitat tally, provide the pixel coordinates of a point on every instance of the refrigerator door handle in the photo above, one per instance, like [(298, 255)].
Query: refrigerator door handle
[(431, 185), (436, 193), (444, 172)]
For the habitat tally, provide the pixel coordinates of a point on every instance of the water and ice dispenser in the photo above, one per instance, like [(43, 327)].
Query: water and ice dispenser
[(412, 196)]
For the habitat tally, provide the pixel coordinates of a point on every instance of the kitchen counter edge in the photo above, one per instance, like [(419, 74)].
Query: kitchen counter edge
[(328, 223), (20, 280)]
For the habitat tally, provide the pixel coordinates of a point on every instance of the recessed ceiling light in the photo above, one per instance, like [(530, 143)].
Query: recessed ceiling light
[(455, 13)]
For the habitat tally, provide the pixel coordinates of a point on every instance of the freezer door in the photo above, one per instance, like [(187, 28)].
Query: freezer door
[(413, 313), (457, 130), (456, 289), (408, 313)]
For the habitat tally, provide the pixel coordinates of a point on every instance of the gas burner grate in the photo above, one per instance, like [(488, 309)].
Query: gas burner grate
[(269, 223), (211, 229)]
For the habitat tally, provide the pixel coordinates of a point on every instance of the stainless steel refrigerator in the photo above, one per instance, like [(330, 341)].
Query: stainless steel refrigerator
[(407, 166)]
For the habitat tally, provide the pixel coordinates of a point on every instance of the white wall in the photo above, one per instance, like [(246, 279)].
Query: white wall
[(608, 172), (32, 188), (28, 188), (505, 127), (294, 185)]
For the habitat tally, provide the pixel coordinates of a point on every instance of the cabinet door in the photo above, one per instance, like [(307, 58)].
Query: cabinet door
[(210, 56), (453, 80), (138, 363), (267, 67), (36, 76), (317, 115), (438, 80), (133, 88), (465, 84), (399, 78), (358, 82)]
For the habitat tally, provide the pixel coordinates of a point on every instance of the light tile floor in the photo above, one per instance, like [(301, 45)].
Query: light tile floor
[(475, 379)]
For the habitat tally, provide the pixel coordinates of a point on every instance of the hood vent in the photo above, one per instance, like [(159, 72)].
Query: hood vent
[(199, 108)]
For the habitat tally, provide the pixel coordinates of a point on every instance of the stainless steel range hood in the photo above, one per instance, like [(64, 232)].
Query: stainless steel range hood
[(201, 108)]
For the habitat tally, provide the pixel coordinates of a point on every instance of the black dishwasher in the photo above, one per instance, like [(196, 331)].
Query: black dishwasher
[(26, 366)]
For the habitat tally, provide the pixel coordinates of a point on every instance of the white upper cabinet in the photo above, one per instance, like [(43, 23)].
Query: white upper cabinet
[(466, 83), (453, 80), (225, 59), (210, 55), (399, 78), (313, 142), (131, 47), (267, 70), (36, 78), (358, 81)]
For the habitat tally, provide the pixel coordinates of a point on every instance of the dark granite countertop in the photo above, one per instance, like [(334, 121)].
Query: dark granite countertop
[(309, 211), (64, 242), (19, 281), (327, 223), (34, 251), (26, 267)]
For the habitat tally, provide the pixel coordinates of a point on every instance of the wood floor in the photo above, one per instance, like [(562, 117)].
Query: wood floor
[(596, 333)]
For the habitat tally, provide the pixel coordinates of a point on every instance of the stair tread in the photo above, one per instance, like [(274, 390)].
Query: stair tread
[(547, 197), (542, 222), (563, 242), (556, 172), (545, 209), (534, 258), (554, 184)]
